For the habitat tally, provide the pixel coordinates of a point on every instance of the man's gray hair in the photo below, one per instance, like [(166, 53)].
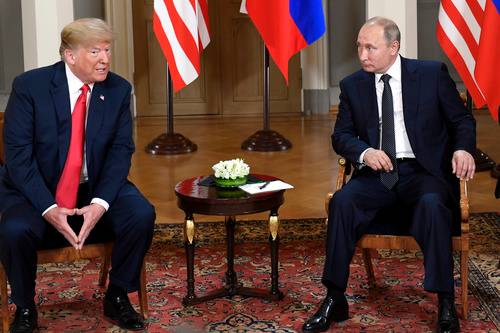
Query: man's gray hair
[(391, 30)]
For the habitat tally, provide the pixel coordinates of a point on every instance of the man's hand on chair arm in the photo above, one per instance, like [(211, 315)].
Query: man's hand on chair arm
[(463, 165)]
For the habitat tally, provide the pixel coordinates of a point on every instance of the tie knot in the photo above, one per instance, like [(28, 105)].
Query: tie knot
[(385, 78), (85, 88)]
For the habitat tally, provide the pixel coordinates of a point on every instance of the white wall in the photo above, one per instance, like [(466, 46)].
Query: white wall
[(42, 25), (404, 13)]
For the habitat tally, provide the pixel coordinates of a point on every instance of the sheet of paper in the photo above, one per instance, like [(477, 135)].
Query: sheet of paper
[(275, 185)]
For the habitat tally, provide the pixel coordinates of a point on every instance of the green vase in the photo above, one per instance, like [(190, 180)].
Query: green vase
[(222, 182), (229, 192)]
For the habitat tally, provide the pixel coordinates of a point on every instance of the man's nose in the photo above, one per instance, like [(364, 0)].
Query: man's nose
[(104, 57), (362, 53)]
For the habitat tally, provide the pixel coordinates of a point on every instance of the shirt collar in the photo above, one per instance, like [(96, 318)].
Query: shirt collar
[(394, 71), (74, 83)]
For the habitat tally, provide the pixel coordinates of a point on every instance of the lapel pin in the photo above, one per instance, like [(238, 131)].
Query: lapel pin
[(101, 97)]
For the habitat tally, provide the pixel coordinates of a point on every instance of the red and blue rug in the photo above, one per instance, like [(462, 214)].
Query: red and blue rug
[(69, 299)]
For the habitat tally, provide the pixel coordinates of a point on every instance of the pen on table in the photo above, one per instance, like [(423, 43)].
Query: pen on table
[(264, 185)]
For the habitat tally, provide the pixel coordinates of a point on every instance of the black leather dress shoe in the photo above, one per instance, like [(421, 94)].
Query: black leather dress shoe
[(119, 310), (328, 311), (25, 321), (447, 317)]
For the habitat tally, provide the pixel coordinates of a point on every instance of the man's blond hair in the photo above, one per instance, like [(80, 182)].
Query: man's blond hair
[(84, 32)]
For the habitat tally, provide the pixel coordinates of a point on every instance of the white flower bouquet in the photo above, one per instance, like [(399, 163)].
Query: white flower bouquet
[(231, 173)]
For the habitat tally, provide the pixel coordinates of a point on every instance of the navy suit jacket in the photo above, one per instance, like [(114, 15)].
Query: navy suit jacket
[(435, 118), (37, 134)]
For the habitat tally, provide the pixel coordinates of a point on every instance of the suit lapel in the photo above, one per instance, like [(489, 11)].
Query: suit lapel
[(95, 116), (60, 98), (410, 87), (368, 96)]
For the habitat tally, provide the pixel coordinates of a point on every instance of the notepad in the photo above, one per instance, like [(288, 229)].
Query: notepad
[(275, 185)]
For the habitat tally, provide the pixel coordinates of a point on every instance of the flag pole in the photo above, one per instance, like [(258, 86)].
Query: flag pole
[(482, 160), (266, 89), (266, 139), (170, 143)]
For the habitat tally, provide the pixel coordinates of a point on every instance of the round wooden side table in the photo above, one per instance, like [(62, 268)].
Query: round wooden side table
[(195, 198)]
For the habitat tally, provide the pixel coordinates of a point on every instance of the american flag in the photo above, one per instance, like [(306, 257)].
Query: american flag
[(181, 27), (468, 31)]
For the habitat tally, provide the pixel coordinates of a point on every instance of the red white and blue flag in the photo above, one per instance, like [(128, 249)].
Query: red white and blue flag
[(286, 26), (181, 27), (469, 33)]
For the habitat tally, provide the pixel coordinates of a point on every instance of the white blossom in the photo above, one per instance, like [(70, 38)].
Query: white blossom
[(231, 169)]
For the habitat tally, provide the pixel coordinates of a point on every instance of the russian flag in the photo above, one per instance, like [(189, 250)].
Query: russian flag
[(286, 26)]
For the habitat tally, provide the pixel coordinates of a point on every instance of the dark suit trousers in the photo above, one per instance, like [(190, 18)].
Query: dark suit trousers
[(353, 208), (129, 222)]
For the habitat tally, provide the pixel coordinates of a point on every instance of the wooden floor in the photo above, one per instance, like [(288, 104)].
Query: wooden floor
[(311, 164)]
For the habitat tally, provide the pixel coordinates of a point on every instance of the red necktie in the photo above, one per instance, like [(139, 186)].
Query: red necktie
[(67, 188)]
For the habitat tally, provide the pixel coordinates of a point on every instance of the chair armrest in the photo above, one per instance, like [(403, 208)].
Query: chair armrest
[(329, 196), (344, 171), (464, 207)]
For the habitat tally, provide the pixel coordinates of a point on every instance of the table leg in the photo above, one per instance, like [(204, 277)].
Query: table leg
[(274, 244), (231, 288), (189, 244), (231, 279)]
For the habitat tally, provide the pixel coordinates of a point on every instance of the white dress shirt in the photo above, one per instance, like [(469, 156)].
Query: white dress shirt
[(74, 88), (403, 147)]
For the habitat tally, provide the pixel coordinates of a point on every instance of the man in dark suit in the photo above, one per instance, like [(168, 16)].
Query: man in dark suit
[(402, 122), (68, 146)]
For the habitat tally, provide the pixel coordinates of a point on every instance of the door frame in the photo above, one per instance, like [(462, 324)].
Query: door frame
[(118, 13)]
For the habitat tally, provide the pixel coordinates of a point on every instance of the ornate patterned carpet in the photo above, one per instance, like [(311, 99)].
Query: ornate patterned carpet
[(70, 300)]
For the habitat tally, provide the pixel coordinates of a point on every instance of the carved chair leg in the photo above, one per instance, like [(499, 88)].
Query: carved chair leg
[(369, 267), (464, 276), (143, 296), (274, 240), (103, 274), (4, 299), (189, 245)]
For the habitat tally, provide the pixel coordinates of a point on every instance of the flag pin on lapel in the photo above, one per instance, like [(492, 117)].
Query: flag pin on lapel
[(101, 97)]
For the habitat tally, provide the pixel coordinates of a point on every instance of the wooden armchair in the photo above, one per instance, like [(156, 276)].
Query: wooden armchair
[(375, 240), (65, 254)]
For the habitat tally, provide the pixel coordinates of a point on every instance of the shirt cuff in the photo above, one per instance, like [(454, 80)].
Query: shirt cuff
[(45, 211), (362, 156), (100, 202)]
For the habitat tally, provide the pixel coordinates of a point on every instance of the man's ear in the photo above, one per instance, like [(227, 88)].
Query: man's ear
[(69, 56), (395, 47)]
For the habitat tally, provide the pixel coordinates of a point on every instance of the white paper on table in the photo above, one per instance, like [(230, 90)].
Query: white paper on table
[(274, 185)]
